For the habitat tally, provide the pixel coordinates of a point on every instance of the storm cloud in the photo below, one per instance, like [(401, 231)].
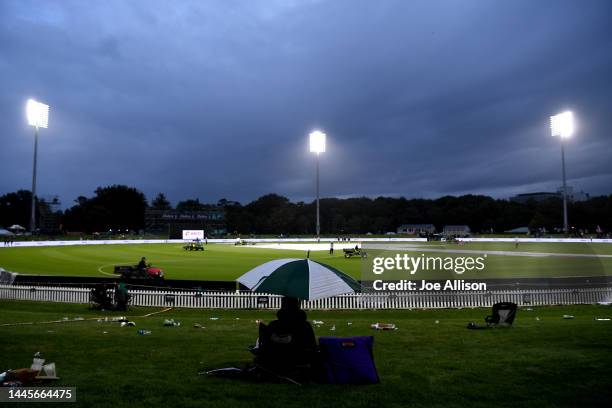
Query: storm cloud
[(216, 99)]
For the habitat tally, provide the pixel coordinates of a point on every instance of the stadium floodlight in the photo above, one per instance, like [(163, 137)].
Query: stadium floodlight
[(38, 116), (562, 125), (317, 142), (317, 145)]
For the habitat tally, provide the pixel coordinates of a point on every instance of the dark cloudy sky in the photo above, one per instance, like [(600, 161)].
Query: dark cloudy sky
[(215, 99)]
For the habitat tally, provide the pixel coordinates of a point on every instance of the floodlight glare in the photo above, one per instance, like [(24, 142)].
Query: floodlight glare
[(562, 124), (38, 114), (317, 142)]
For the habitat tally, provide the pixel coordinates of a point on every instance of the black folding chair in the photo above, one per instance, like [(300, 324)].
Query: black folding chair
[(503, 315)]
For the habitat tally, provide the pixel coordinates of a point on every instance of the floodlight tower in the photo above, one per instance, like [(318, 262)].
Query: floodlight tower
[(38, 116), (562, 125), (317, 145)]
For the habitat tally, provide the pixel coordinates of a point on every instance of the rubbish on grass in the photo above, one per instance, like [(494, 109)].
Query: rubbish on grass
[(144, 332), (333, 328), (317, 322), (529, 309), (222, 371), (437, 322), (37, 363), (349, 323), (171, 323), (47, 372), (131, 324), (37, 371), (258, 321), (568, 317), (538, 318), (22, 375), (474, 326), (214, 318), (198, 326), (603, 319), (383, 326), (79, 318)]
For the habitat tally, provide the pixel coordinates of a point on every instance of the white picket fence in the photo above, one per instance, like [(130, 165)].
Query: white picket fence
[(248, 300)]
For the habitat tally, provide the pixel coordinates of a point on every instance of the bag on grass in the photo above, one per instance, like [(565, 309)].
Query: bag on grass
[(348, 360)]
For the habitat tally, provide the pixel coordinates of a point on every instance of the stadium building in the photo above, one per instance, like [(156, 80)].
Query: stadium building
[(49, 215), (173, 222), (572, 196), (416, 229), (456, 231)]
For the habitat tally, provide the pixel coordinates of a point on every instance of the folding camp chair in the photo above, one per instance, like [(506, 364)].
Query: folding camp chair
[(503, 314)]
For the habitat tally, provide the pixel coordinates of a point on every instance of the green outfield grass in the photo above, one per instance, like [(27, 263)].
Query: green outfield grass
[(227, 262), (543, 361)]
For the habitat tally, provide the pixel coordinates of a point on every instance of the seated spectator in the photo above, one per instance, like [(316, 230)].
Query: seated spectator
[(287, 345)]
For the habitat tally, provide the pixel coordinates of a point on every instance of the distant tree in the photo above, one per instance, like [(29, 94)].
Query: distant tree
[(223, 202), (114, 207), (190, 205), (161, 203), (120, 207), (15, 208)]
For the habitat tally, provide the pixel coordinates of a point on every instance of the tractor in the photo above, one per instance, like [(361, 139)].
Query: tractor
[(134, 272), (194, 246), (358, 252)]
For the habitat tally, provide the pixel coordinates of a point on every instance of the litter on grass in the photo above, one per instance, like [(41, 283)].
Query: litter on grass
[(383, 326), (603, 319), (567, 317), (38, 371), (319, 322), (171, 323)]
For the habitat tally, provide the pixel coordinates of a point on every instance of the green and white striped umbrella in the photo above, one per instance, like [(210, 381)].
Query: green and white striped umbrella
[(299, 278)]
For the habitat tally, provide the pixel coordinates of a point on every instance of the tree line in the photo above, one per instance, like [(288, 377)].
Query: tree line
[(120, 207)]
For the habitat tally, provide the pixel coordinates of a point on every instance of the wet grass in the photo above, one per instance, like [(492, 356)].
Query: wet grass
[(543, 361)]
